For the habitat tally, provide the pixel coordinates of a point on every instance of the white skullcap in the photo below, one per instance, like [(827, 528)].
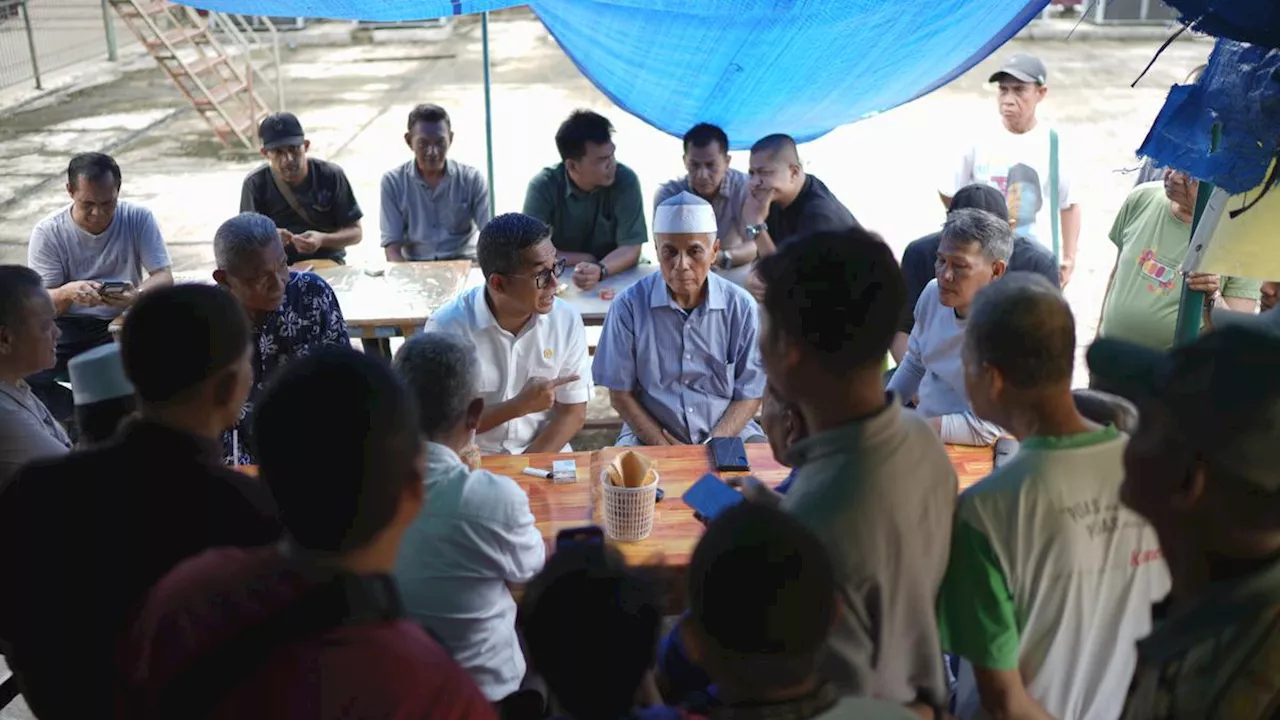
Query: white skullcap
[(98, 375), (684, 214)]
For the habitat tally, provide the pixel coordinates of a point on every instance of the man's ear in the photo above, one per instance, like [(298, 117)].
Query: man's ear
[(408, 140), (1042, 91), (474, 411), (998, 268), (6, 340), (497, 283), (715, 248), (222, 387), (263, 153), (71, 189), (306, 145), (220, 277)]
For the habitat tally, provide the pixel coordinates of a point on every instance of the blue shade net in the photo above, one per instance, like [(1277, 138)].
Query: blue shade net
[(753, 67), (1240, 92)]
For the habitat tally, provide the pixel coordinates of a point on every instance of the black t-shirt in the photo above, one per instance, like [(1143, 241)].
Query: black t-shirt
[(325, 196), (82, 539), (919, 258), (815, 209)]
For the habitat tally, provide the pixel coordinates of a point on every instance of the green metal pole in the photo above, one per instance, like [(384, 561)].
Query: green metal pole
[(488, 114), (31, 44), (112, 55), (1191, 304)]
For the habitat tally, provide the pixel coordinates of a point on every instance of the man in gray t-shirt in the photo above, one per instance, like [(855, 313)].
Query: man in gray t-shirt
[(872, 479), (91, 256)]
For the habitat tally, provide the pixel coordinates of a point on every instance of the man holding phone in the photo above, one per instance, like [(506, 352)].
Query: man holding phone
[(532, 345), (91, 256)]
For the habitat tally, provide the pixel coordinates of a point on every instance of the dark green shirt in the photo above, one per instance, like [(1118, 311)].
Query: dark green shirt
[(596, 222)]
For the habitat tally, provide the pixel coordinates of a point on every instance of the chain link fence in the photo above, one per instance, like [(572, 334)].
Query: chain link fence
[(38, 37)]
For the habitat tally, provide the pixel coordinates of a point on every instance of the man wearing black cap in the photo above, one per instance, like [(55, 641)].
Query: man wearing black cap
[(921, 257), (310, 200), (83, 537), (1024, 162), (1203, 469)]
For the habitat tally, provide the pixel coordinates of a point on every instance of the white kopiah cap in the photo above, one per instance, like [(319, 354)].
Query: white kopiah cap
[(98, 375), (684, 214)]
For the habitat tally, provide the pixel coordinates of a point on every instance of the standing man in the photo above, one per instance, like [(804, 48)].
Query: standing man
[(293, 313), (591, 201), (1151, 234), (973, 253), (680, 350), (432, 207), (920, 258), (1202, 468), (532, 345), (91, 256), (706, 158), (1051, 580), (872, 480), (309, 200), (1022, 160)]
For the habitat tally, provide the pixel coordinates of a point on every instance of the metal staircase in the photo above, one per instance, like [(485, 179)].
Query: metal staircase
[(218, 60)]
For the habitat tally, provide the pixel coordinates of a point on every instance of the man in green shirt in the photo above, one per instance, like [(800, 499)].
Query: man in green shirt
[(1152, 232), (1204, 469), (591, 201)]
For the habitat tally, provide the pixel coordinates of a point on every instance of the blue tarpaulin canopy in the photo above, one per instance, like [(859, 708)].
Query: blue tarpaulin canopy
[(753, 67)]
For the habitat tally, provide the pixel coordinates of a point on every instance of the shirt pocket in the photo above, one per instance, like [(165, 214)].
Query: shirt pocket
[(458, 218), (604, 235), (719, 378), (491, 384)]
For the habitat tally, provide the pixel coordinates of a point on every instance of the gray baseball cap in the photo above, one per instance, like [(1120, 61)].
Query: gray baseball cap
[(1024, 67), (1222, 392)]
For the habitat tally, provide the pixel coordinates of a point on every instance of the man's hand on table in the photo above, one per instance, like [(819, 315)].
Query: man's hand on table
[(586, 275), (539, 394), (754, 490), (308, 242)]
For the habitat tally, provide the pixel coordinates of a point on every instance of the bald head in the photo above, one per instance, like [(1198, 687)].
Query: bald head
[(1022, 326), (778, 145)]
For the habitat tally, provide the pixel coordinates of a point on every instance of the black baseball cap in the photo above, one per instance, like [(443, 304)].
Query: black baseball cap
[(981, 197), (280, 129), (1024, 67), (1222, 392)]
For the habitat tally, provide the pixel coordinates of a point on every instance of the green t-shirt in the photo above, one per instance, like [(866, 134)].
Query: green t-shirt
[(1142, 305), (597, 222)]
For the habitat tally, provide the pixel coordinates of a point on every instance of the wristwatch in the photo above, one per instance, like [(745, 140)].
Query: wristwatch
[(604, 269), (753, 231)]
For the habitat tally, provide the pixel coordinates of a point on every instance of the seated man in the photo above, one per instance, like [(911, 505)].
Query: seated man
[(680, 350), (532, 345), (973, 253), (432, 207), (117, 517), (590, 623), (706, 158), (1051, 579), (591, 201), (97, 239), (292, 313), (309, 200), (921, 256), (28, 336), (476, 536), (762, 601), (784, 202), (312, 626)]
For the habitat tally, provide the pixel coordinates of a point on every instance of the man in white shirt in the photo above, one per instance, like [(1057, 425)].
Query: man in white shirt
[(974, 251), (534, 367), (1024, 161), (474, 535), (1051, 579)]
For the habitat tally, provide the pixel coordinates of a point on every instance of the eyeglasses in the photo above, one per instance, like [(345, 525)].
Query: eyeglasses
[(540, 280)]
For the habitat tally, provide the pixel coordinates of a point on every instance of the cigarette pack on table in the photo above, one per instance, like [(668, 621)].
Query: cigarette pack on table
[(564, 471)]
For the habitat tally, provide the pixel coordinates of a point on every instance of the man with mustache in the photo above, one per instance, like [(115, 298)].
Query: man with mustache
[(679, 351), (974, 252), (309, 200)]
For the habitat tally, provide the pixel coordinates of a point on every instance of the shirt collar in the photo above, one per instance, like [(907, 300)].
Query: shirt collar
[(1071, 442), (438, 454), (483, 317), (450, 167), (571, 190), (717, 295), (809, 706), (172, 441)]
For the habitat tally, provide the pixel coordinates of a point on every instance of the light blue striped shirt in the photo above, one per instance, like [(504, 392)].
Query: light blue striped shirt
[(684, 367)]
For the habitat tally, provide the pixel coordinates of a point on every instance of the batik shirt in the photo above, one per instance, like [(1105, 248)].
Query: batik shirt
[(309, 319)]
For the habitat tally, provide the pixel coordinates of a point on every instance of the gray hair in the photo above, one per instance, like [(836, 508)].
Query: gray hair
[(442, 372), (241, 235), (971, 225)]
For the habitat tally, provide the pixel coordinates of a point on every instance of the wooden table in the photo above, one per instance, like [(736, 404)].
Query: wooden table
[(384, 301), (667, 551)]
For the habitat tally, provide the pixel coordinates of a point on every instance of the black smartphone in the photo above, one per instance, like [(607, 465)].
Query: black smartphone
[(728, 454), (588, 535), (114, 287)]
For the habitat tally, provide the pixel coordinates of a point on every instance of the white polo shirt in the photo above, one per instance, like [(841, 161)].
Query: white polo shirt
[(550, 346)]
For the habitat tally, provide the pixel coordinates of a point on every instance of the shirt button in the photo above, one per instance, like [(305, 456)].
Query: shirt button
[(688, 357)]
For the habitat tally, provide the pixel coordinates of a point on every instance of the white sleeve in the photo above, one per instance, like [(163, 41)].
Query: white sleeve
[(1065, 198), (968, 429), (151, 248), (43, 256)]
